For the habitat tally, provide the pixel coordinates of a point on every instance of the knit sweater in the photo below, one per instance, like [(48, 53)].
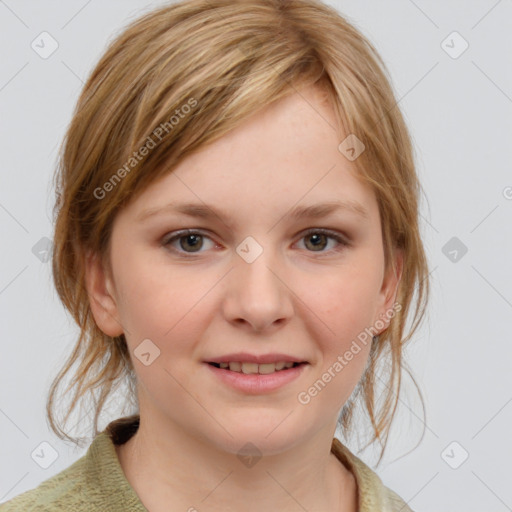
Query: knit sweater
[(96, 481)]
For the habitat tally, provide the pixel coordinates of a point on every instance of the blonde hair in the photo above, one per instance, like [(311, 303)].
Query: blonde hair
[(232, 58)]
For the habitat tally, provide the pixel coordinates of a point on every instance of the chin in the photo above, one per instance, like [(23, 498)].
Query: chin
[(259, 439)]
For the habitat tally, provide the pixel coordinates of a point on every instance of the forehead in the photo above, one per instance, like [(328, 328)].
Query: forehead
[(285, 155)]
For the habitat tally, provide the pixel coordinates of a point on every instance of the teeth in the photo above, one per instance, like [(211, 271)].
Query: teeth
[(249, 367), (267, 368), (254, 368)]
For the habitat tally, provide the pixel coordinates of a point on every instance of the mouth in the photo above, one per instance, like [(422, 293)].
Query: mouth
[(249, 368), (264, 374)]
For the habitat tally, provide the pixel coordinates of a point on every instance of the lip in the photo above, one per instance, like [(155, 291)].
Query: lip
[(244, 357), (256, 384)]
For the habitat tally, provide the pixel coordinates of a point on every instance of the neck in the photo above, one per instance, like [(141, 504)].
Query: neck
[(170, 468)]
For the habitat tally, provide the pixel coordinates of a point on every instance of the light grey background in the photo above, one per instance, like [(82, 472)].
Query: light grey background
[(460, 114)]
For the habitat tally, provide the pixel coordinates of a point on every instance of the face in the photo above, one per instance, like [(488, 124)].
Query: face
[(251, 277)]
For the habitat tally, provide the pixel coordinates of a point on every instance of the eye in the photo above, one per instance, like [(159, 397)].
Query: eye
[(187, 239), (316, 240)]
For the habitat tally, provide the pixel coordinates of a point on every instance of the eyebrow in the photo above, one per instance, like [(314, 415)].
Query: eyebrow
[(314, 211)]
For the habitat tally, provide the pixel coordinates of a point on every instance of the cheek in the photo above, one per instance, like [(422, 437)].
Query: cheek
[(340, 315), (169, 309), (344, 304), (161, 303)]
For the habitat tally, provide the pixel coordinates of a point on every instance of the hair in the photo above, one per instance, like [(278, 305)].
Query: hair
[(218, 62)]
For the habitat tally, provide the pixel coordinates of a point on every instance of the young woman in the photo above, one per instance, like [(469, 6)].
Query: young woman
[(237, 238)]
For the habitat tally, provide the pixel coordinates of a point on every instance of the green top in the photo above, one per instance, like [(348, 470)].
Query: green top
[(96, 481)]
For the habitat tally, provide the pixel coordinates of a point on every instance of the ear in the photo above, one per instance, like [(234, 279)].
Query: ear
[(102, 299), (389, 289)]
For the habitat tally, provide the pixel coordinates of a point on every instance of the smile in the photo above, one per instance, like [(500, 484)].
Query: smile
[(256, 378), (255, 368)]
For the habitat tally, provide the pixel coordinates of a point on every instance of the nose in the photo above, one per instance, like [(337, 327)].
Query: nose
[(258, 295)]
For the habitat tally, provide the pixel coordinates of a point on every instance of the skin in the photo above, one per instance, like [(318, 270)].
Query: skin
[(203, 300)]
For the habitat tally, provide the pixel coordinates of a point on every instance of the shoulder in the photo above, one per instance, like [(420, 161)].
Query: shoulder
[(395, 502), (373, 495), (93, 483), (62, 491)]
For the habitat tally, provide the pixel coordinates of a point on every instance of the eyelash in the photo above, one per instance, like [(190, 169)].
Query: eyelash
[(186, 232)]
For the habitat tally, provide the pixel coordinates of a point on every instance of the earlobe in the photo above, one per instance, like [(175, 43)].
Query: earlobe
[(101, 297)]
